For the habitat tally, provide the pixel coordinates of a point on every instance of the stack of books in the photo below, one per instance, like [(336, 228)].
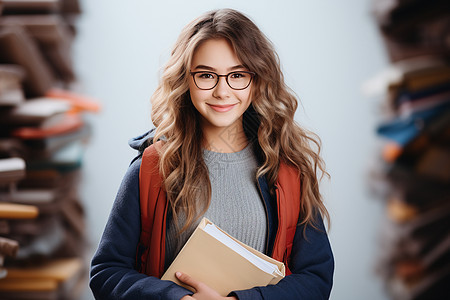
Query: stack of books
[(413, 172), (43, 133)]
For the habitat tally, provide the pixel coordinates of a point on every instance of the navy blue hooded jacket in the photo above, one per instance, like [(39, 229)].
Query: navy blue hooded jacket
[(113, 267)]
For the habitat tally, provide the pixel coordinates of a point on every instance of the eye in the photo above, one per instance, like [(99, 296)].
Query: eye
[(206, 75), (238, 75)]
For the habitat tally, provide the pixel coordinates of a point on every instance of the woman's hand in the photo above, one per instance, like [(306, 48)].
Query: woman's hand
[(203, 292)]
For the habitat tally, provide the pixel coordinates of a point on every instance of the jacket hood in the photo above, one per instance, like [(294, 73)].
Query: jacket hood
[(142, 141)]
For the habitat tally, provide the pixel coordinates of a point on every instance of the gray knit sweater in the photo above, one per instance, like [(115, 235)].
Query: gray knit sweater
[(236, 204)]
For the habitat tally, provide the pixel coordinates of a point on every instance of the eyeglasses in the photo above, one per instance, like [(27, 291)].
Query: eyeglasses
[(206, 80)]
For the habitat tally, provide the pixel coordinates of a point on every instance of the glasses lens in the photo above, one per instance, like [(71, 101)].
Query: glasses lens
[(239, 80), (236, 80), (205, 80)]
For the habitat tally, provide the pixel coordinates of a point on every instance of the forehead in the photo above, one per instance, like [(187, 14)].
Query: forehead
[(215, 53)]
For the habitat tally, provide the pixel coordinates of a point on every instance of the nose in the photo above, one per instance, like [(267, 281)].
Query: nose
[(222, 90)]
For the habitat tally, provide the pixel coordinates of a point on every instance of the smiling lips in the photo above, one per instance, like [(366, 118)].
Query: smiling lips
[(222, 108)]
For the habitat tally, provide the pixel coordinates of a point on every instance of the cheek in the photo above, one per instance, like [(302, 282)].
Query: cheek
[(247, 93), (193, 92), (245, 96), (197, 97)]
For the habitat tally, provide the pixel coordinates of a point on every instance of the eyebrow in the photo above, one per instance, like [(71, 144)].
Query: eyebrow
[(213, 69)]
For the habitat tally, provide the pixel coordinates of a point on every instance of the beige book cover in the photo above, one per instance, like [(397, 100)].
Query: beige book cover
[(225, 268)]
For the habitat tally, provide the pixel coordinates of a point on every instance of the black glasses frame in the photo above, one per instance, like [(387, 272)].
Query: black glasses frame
[(226, 79)]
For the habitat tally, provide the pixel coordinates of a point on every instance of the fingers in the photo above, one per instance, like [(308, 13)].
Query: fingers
[(186, 279)]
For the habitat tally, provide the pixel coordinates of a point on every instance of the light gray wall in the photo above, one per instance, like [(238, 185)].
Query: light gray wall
[(327, 48)]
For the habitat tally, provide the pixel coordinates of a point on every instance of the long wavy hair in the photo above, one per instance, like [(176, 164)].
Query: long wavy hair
[(269, 120)]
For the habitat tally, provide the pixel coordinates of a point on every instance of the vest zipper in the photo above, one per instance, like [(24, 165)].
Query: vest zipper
[(267, 218)]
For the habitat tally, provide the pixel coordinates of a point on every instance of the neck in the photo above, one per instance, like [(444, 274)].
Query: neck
[(225, 140)]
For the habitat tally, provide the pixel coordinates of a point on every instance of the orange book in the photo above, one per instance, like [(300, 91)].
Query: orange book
[(18, 211), (78, 102), (69, 123)]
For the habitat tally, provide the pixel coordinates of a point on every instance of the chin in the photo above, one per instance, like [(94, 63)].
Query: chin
[(223, 123)]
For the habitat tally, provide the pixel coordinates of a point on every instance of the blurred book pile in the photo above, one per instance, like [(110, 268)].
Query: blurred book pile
[(43, 133), (414, 168)]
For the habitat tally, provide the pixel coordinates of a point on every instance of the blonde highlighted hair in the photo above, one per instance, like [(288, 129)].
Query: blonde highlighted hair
[(269, 120)]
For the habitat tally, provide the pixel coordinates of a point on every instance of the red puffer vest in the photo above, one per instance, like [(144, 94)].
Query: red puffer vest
[(154, 214)]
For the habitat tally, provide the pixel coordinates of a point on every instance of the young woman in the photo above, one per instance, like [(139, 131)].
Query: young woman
[(226, 146)]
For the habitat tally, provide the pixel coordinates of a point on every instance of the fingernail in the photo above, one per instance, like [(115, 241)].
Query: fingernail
[(178, 274)]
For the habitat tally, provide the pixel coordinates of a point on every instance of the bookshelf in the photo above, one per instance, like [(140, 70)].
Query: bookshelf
[(43, 134), (413, 171)]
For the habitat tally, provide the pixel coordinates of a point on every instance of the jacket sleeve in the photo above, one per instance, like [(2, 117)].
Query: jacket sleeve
[(312, 266), (113, 274)]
